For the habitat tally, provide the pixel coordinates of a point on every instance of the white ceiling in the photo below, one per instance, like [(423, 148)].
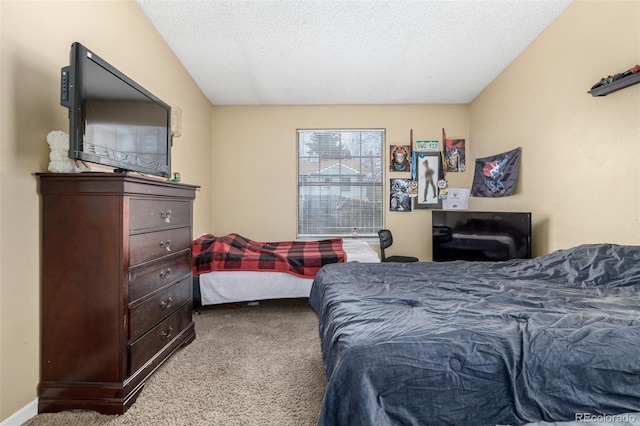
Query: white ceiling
[(309, 52)]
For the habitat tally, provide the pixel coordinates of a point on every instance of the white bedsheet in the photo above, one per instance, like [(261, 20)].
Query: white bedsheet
[(239, 286)]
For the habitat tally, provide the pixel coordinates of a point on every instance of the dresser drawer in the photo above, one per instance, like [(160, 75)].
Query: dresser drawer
[(153, 245), (146, 314), (158, 337), (151, 276), (156, 213)]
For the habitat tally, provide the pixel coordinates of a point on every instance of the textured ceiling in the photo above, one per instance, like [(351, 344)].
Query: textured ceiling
[(310, 52)]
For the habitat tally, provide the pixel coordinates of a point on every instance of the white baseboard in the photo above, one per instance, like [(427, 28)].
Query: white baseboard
[(22, 415)]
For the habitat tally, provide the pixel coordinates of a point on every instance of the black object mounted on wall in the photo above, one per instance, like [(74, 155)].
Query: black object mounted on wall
[(616, 82)]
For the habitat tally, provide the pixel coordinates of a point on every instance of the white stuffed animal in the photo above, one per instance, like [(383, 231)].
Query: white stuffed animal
[(59, 157)]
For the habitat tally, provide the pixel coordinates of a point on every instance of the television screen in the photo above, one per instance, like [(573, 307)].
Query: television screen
[(480, 236), (113, 120)]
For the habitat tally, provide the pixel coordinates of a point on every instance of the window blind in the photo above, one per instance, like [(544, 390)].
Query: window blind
[(340, 182)]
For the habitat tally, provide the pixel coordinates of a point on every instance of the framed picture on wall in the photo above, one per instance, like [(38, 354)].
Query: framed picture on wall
[(400, 158), (455, 154), (399, 198), (429, 173)]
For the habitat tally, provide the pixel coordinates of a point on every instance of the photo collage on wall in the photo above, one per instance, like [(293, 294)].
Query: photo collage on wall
[(427, 163)]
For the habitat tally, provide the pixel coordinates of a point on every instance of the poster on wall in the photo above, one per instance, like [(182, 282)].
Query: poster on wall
[(399, 199), (400, 158), (455, 155), (496, 176), (429, 173)]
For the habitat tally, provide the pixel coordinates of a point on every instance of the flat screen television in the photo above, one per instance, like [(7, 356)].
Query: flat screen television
[(113, 121), (480, 236)]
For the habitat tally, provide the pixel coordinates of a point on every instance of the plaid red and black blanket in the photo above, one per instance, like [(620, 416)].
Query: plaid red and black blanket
[(234, 252)]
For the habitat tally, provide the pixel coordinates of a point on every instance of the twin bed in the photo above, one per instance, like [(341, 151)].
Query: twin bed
[(247, 270), (556, 338)]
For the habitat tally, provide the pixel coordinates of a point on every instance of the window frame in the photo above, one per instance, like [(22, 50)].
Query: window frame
[(375, 185)]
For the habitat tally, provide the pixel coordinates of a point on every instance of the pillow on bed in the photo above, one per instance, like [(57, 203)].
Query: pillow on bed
[(608, 265)]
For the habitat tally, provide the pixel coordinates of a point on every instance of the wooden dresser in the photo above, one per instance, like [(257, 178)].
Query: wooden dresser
[(116, 286)]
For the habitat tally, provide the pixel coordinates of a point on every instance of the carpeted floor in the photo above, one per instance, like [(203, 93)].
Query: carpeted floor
[(249, 365)]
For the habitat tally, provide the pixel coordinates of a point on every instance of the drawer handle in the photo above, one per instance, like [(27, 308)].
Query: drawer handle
[(167, 334), (164, 274), (166, 215), (166, 244), (166, 304)]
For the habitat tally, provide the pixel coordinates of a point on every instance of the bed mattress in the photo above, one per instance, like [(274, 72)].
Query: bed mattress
[(237, 286), (481, 343)]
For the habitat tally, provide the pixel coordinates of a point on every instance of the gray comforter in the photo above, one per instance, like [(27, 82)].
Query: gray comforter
[(475, 343)]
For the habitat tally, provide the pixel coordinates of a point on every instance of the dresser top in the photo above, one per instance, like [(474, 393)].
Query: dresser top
[(111, 183)]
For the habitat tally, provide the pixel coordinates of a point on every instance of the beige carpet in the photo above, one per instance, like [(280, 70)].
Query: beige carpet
[(248, 366)]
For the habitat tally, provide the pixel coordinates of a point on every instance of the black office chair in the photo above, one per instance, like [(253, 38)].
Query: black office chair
[(386, 239)]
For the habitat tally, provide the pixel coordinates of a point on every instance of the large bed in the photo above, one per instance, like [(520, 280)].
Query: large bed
[(481, 343), (250, 283)]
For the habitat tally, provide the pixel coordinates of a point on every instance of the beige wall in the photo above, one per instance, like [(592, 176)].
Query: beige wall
[(254, 164), (35, 42), (580, 170)]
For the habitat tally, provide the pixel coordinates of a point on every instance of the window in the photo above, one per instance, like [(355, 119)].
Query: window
[(340, 182)]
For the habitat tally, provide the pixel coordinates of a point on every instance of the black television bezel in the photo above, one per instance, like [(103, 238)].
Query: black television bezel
[(468, 214), (72, 86)]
